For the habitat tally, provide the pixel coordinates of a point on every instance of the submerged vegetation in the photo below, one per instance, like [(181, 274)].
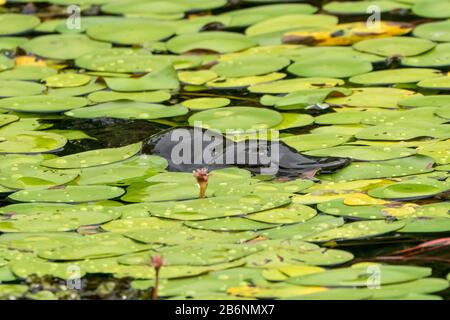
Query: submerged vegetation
[(94, 207)]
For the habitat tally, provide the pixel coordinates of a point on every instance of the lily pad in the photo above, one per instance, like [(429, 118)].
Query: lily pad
[(305, 142), (434, 31), (236, 119), (68, 194), (216, 41), (395, 46), (68, 46), (229, 224), (42, 103), (128, 110), (14, 88), (12, 23), (291, 85), (329, 67), (384, 77), (441, 83), (363, 153), (149, 96), (435, 58), (410, 189), (65, 80), (432, 9), (94, 157), (30, 142)]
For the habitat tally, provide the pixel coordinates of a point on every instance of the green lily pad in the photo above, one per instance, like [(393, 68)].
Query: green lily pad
[(128, 110), (12, 291), (294, 120), (329, 67), (150, 96), (395, 46), (64, 47), (280, 258), (434, 31), (363, 153), (94, 157), (439, 101), (27, 73), (12, 23), (359, 276), (292, 213), (236, 118), (441, 83), (28, 176), (357, 230), (30, 142), (439, 151), (205, 103), (130, 31), (163, 78), (435, 58), (94, 247), (61, 220), (133, 224), (305, 142), (291, 85), (281, 24), (432, 9), (306, 53), (65, 80), (241, 82), (405, 75), (216, 41), (360, 7), (224, 206), (14, 88), (424, 225), (68, 194), (383, 169), (410, 189), (7, 119), (338, 208), (252, 65), (229, 224), (42, 103), (5, 63), (11, 43)]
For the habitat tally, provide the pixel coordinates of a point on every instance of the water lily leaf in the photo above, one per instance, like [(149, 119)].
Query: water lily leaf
[(360, 7), (64, 47), (410, 189), (383, 169), (150, 96), (302, 99), (94, 157), (66, 219), (306, 142), (359, 276), (7, 119), (294, 120), (300, 231), (68, 194), (42, 103), (29, 176), (273, 291), (229, 224), (330, 67), (432, 9), (385, 77), (27, 73), (65, 80), (435, 58), (197, 77), (357, 230), (205, 103), (284, 258), (439, 151), (93, 247), (338, 208), (291, 85), (395, 130), (241, 82), (164, 78), (424, 225), (252, 65), (13, 23), (30, 141), (236, 118), (129, 31), (439, 101), (373, 97), (363, 153), (128, 110), (434, 31), (133, 224), (290, 21), (14, 88), (6, 63), (217, 41), (441, 83), (395, 46), (201, 209), (306, 53)]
